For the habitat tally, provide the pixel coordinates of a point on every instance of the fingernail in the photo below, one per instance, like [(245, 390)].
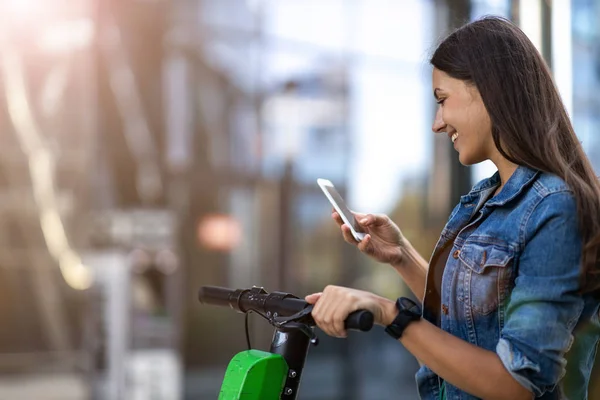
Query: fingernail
[(363, 221)]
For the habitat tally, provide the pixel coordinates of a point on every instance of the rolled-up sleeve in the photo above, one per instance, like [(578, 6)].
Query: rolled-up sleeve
[(544, 305)]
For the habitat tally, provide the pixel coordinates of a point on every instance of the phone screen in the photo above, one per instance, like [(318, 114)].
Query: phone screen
[(342, 205)]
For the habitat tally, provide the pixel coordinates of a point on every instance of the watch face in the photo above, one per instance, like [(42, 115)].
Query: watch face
[(409, 305), (408, 311)]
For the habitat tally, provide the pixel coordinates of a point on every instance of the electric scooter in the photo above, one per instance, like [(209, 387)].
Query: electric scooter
[(276, 374)]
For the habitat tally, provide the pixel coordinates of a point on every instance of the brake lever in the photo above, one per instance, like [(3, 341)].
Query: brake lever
[(297, 321)]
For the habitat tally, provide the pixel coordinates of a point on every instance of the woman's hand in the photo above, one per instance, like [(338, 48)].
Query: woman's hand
[(335, 303), (384, 240)]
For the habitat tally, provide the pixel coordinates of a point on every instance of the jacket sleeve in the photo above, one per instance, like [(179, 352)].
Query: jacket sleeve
[(544, 305)]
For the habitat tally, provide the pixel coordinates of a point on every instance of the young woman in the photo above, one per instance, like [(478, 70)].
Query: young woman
[(510, 304)]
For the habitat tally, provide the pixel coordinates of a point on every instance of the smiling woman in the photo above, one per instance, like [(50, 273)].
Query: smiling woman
[(510, 297), (461, 114)]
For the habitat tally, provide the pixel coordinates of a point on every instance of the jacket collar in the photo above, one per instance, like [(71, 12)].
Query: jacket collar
[(521, 178)]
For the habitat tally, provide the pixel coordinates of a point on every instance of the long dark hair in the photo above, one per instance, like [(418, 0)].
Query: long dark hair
[(530, 125)]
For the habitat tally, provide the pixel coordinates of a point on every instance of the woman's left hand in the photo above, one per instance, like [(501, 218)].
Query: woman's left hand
[(335, 303)]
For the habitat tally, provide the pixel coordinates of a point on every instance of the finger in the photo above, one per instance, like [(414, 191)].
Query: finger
[(366, 245), (368, 220), (318, 316), (324, 312), (313, 298), (365, 220), (336, 217), (317, 310), (347, 233), (358, 215), (378, 220), (321, 324), (340, 313), (373, 220), (337, 312)]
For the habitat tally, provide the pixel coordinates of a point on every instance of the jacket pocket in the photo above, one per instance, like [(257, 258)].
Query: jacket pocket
[(488, 270)]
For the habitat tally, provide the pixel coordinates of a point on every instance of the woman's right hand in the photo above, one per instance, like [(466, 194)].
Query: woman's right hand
[(383, 240)]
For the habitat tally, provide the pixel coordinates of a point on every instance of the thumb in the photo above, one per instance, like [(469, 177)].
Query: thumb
[(373, 220), (312, 298)]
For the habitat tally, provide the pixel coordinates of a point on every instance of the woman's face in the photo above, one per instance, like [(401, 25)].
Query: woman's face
[(463, 117)]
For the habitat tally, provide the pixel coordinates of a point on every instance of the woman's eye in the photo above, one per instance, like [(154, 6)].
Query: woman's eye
[(441, 101)]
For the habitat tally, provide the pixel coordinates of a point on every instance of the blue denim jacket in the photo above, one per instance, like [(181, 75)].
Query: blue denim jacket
[(510, 286)]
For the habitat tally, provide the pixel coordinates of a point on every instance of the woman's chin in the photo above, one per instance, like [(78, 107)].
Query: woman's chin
[(466, 160)]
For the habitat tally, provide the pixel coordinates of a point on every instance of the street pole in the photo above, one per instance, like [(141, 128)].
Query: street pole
[(450, 179), (286, 198)]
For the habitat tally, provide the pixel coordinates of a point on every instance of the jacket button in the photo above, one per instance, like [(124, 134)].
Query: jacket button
[(445, 309), (456, 253)]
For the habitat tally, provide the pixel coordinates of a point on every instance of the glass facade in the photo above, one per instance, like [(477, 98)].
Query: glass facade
[(585, 15)]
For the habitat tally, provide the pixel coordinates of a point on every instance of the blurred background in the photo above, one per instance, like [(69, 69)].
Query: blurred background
[(153, 146)]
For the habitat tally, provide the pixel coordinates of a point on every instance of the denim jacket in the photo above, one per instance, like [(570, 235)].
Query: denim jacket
[(510, 285)]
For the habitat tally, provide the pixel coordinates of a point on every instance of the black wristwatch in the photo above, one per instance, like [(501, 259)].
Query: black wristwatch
[(408, 311)]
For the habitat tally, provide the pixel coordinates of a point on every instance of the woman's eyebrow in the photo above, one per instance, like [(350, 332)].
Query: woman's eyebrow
[(435, 93)]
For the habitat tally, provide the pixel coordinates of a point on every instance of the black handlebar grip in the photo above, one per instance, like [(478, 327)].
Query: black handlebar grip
[(215, 295), (361, 320)]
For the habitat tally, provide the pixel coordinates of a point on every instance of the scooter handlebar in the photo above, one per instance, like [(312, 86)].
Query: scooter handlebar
[(284, 304)]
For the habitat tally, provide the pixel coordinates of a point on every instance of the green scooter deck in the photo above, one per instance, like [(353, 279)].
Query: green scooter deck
[(254, 375)]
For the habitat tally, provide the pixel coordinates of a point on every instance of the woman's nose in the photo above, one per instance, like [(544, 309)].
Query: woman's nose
[(439, 125)]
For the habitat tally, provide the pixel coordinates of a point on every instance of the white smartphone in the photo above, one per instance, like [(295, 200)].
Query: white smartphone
[(340, 206)]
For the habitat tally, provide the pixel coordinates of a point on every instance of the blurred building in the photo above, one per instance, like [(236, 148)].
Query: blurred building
[(586, 75), (46, 145)]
